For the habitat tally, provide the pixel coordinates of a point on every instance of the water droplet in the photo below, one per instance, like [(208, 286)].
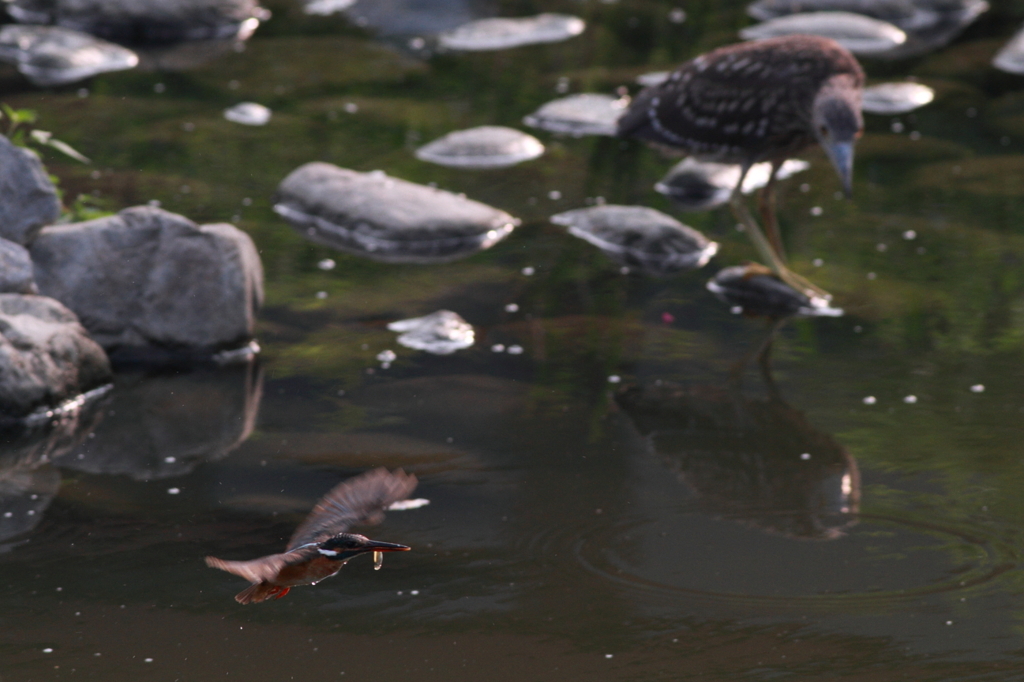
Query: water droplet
[(326, 264), (528, 271), (609, 655), (910, 234), (515, 350), (910, 399), (498, 348), (870, 400), (677, 16), (173, 491), (414, 592), (512, 308), (816, 211), (170, 460), (614, 379), (554, 195), (806, 456), (386, 356), (47, 651), (351, 107), (321, 295), (378, 560), (978, 388)]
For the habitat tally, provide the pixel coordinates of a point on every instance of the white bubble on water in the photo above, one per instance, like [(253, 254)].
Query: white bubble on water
[(978, 388), (386, 356), (173, 491), (910, 399), (870, 400), (512, 308), (910, 234), (614, 379), (498, 348), (515, 350), (326, 264), (817, 211), (805, 456), (528, 271)]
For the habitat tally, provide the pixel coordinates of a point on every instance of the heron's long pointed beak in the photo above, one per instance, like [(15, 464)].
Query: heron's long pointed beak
[(841, 155)]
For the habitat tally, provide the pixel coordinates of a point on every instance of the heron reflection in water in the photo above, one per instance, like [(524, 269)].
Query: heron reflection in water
[(758, 461), (764, 100)]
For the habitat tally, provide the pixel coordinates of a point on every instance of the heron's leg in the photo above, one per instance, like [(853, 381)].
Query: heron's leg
[(768, 216), (764, 248)]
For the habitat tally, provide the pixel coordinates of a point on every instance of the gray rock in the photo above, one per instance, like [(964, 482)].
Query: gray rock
[(15, 269), (29, 198), (441, 333), (859, 34), (143, 21), (753, 290), (640, 237), (157, 427), (52, 55), (929, 24), (895, 98), (577, 115), (46, 357), (502, 33), (695, 185), (387, 219), (482, 147), (410, 17), (147, 278)]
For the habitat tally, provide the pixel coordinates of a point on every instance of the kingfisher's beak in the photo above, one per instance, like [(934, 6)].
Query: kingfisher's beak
[(841, 155), (375, 546)]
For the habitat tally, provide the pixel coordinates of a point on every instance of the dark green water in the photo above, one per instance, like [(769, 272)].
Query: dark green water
[(569, 536)]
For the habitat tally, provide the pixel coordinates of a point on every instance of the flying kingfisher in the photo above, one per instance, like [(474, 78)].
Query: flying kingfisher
[(320, 546)]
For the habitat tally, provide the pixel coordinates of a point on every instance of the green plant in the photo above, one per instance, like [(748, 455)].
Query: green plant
[(18, 125)]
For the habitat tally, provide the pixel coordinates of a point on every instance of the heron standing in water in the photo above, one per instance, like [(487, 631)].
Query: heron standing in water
[(764, 100)]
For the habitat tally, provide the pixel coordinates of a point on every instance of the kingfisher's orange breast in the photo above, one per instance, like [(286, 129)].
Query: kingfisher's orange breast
[(308, 572)]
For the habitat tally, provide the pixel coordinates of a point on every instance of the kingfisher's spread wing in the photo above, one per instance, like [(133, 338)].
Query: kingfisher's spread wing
[(741, 100), (362, 499), (265, 568)]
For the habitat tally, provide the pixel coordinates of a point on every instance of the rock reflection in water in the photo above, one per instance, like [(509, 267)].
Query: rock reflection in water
[(504, 33), (156, 427), (439, 333), (578, 115), (28, 480), (754, 290), (757, 461)]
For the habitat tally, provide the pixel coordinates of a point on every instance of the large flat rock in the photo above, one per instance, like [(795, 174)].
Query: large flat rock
[(385, 218), (46, 356), (149, 278), (29, 198)]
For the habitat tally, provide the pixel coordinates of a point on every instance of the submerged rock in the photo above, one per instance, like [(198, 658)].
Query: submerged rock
[(482, 147), (46, 356), (859, 34), (144, 21), (928, 24), (50, 55), (387, 219), (162, 426), (702, 185), (640, 237), (754, 290), (577, 115), (414, 17), (440, 333), (248, 113), (29, 197), (15, 269), (759, 462), (146, 280), (896, 98), (504, 33)]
